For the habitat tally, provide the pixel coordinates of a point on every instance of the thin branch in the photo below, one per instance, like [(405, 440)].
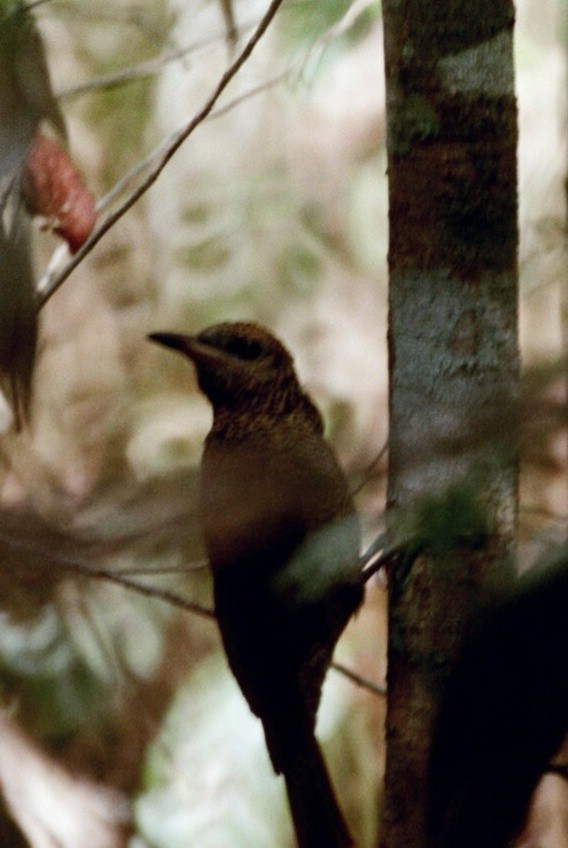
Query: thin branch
[(73, 565), (167, 154), (167, 595), (368, 471), (158, 158), (150, 67), (182, 603), (363, 682), (140, 70), (190, 568), (177, 600), (252, 92), (158, 151), (49, 277)]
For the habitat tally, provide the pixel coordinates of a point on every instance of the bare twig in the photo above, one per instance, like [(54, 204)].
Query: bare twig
[(165, 157), (363, 682), (74, 565), (160, 156), (140, 70), (180, 602), (368, 471), (141, 571), (158, 151), (168, 595), (252, 92)]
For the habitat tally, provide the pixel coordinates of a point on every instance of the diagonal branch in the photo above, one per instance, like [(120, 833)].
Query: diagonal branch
[(166, 154), (140, 70), (177, 600), (158, 158), (167, 595), (375, 688)]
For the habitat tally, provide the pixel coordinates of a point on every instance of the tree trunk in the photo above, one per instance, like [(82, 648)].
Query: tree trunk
[(454, 367)]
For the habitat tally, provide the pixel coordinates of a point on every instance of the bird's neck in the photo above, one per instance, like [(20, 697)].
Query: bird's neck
[(239, 422)]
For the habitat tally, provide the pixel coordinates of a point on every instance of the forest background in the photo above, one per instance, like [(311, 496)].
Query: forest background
[(275, 209)]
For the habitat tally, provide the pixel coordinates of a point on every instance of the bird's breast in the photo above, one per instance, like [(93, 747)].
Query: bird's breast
[(264, 499)]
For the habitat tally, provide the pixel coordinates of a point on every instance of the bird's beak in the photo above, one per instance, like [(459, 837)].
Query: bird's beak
[(177, 341), (190, 346)]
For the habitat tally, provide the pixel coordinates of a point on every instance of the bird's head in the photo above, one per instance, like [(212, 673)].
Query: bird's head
[(238, 364)]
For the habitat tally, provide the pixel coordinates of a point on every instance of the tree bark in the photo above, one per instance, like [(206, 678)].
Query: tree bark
[(453, 353)]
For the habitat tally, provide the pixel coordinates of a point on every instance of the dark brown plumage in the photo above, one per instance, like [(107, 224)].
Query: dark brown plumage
[(283, 542)]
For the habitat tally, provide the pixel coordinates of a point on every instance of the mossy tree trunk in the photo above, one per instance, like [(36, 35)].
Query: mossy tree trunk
[(454, 367)]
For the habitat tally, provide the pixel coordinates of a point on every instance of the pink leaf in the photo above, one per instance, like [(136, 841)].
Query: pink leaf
[(53, 187)]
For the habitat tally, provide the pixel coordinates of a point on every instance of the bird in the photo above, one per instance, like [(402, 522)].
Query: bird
[(282, 537)]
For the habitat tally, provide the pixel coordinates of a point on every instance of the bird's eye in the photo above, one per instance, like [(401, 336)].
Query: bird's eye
[(245, 349)]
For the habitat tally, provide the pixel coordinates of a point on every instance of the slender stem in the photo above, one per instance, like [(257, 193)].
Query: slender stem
[(363, 682), (174, 144)]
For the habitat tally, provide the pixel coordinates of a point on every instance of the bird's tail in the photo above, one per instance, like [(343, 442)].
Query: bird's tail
[(318, 821)]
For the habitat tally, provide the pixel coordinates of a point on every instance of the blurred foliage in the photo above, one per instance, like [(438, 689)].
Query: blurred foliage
[(306, 20), (16, 24), (277, 211), (66, 669), (55, 687), (442, 524), (128, 102)]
